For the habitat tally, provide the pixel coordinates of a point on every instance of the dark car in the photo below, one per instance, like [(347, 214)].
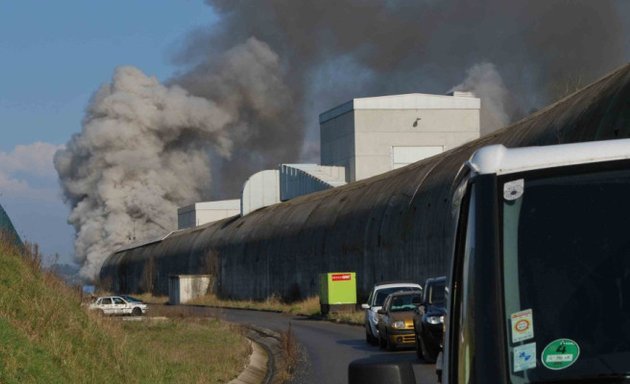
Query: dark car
[(429, 319), (395, 323)]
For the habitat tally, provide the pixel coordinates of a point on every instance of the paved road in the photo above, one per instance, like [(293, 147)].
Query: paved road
[(328, 348)]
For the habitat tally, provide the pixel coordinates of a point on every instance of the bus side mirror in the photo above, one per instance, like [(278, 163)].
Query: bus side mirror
[(365, 306)]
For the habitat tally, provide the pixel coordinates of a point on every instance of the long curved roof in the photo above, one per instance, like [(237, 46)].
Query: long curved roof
[(397, 225)]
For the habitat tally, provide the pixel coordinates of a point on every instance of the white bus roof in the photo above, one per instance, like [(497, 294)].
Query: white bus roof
[(501, 160)]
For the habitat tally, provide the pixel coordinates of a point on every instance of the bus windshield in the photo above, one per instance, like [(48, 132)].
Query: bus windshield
[(566, 265)]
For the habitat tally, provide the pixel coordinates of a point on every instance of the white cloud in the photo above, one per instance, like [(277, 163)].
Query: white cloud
[(28, 171)]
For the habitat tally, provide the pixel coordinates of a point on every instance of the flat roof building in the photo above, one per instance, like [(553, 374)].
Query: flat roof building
[(373, 135)]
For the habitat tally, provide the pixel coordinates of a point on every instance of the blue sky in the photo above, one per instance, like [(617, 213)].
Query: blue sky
[(53, 56)]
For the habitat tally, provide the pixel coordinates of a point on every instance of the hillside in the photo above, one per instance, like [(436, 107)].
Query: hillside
[(45, 333), (46, 336)]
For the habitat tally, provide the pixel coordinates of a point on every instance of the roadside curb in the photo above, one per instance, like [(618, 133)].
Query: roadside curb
[(257, 370), (265, 357)]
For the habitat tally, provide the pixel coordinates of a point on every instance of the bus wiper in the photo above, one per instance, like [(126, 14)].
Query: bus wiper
[(603, 378)]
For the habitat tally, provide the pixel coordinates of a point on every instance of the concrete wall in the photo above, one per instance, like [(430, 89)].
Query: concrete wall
[(378, 131), (184, 288), (362, 135), (207, 212), (397, 225), (338, 143), (260, 190)]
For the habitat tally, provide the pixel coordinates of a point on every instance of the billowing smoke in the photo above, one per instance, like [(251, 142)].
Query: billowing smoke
[(486, 83), (251, 85), (145, 148), (335, 50)]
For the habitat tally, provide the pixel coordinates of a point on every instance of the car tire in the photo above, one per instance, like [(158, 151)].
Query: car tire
[(136, 312), (101, 313), (427, 354)]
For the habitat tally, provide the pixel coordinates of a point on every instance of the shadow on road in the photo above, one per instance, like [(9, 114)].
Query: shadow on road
[(361, 345), (358, 344)]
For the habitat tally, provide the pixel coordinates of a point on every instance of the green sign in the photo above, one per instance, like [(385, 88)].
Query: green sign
[(560, 354), (338, 288)]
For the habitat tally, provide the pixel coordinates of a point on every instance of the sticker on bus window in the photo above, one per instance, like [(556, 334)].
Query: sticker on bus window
[(522, 325), (512, 190), (560, 354), (524, 357)]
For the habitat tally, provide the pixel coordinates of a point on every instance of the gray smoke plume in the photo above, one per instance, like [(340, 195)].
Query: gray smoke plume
[(145, 148), (251, 86), (486, 83), (335, 50)]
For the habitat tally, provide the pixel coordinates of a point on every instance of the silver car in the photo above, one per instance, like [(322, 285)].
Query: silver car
[(118, 305)]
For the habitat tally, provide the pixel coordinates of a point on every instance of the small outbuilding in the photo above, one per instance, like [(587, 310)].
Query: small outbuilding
[(184, 288)]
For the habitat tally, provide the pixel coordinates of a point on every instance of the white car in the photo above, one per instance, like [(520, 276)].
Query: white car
[(119, 305), (375, 302)]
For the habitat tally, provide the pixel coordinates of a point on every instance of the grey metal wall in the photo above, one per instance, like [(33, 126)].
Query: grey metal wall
[(393, 226)]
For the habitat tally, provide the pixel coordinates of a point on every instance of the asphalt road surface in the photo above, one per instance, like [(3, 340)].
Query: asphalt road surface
[(327, 347)]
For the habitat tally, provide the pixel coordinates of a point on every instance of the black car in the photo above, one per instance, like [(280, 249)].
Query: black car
[(429, 319)]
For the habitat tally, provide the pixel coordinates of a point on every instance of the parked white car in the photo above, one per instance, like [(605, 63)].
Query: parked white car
[(118, 305), (375, 302)]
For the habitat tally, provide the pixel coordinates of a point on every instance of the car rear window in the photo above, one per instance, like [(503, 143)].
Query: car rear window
[(404, 303), (381, 294)]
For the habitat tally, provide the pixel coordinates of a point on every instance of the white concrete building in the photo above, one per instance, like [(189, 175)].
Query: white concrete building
[(359, 139), (207, 212), (183, 288), (260, 190), (373, 135)]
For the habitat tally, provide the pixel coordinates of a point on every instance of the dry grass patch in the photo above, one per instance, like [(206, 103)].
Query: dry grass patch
[(353, 317), (306, 307), (189, 350)]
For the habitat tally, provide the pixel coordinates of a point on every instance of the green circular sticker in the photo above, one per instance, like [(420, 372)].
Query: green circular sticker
[(560, 354)]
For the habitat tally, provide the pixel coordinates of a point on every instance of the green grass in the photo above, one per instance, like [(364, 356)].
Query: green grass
[(47, 337)]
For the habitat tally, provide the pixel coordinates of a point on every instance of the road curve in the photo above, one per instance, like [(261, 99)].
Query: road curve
[(328, 347)]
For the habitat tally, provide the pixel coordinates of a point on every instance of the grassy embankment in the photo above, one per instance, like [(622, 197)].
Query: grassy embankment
[(47, 337)]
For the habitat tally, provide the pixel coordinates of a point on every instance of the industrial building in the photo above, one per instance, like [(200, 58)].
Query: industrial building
[(394, 225), (374, 135), (359, 139)]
